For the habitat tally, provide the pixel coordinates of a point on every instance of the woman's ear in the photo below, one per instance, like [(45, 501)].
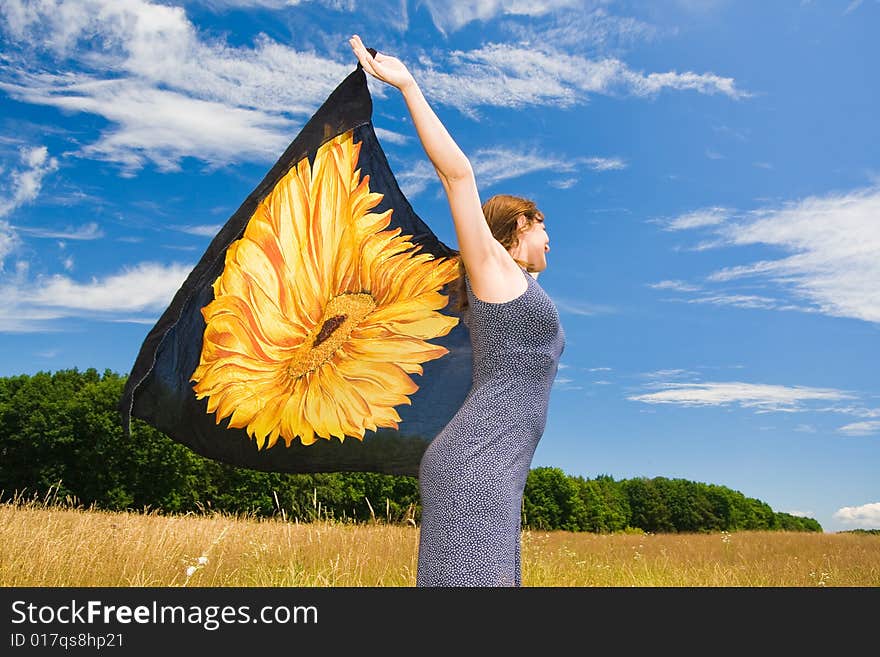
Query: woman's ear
[(521, 222)]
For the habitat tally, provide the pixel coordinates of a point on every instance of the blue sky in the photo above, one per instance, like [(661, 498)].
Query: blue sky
[(708, 170)]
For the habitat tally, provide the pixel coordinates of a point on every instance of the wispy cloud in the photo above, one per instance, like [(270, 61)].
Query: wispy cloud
[(22, 184), (805, 428), (225, 5), (89, 231), (761, 397), (452, 16), (861, 428), (202, 231), (678, 286), (739, 301), (492, 165), (9, 241), (508, 75), (586, 26), (37, 305), (666, 374), (835, 246), (496, 164), (852, 6), (566, 383), (866, 516), (696, 219)]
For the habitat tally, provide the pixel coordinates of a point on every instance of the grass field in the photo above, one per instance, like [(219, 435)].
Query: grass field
[(57, 545)]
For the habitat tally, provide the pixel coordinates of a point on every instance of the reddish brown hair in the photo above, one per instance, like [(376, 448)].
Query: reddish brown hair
[(501, 213)]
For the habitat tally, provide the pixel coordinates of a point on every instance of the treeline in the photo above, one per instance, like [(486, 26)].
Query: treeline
[(61, 435)]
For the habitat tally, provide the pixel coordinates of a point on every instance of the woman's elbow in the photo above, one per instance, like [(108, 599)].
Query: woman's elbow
[(460, 172)]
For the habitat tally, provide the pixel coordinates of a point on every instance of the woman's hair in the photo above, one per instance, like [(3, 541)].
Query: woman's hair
[(501, 212)]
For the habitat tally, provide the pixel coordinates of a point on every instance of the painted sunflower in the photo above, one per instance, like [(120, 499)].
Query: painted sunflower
[(320, 315)]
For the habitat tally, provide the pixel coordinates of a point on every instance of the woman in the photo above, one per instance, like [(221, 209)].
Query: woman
[(473, 473)]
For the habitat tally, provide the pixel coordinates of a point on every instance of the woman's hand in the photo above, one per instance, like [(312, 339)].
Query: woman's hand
[(389, 70)]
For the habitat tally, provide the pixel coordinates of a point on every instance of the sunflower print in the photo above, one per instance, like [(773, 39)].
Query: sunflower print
[(321, 314)]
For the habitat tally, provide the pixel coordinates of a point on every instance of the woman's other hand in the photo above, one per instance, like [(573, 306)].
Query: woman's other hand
[(382, 67)]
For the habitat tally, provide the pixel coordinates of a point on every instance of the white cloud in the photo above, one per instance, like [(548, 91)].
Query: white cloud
[(565, 383), (805, 428), (24, 183), (861, 428), (159, 125), (605, 163), (157, 44), (452, 16), (582, 29), (496, 164), (415, 180), (852, 6), (389, 136), (698, 219), (146, 287), (866, 516), (167, 91), (202, 231), (515, 76), (224, 5), (89, 231), (678, 286), (835, 246), (663, 374), (35, 305), (492, 165), (9, 241), (761, 397), (739, 300)]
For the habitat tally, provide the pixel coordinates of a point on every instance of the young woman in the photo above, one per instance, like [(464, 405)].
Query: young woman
[(473, 473)]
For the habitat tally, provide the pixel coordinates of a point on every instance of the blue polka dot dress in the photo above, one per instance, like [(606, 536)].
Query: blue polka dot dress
[(473, 473)]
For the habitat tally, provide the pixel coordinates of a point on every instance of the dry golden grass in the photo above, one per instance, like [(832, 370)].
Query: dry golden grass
[(54, 545)]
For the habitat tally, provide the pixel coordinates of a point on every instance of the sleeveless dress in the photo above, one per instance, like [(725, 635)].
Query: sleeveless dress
[(472, 475)]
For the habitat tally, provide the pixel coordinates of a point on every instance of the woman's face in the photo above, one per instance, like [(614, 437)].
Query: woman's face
[(534, 244)]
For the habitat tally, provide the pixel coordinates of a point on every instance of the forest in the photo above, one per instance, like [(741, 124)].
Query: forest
[(61, 434)]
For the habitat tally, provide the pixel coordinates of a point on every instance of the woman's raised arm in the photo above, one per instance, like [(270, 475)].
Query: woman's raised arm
[(478, 248)]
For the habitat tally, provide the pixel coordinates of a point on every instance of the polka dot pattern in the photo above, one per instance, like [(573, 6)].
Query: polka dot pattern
[(473, 473)]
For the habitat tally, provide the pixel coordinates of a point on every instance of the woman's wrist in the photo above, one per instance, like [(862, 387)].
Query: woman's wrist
[(409, 88)]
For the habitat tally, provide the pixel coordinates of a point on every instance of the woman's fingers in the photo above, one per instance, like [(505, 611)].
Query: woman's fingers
[(358, 47), (363, 55)]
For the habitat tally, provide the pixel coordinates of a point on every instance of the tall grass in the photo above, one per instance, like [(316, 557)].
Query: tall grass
[(50, 542)]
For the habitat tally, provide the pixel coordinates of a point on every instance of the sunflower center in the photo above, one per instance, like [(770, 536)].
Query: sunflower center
[(341, 315)]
